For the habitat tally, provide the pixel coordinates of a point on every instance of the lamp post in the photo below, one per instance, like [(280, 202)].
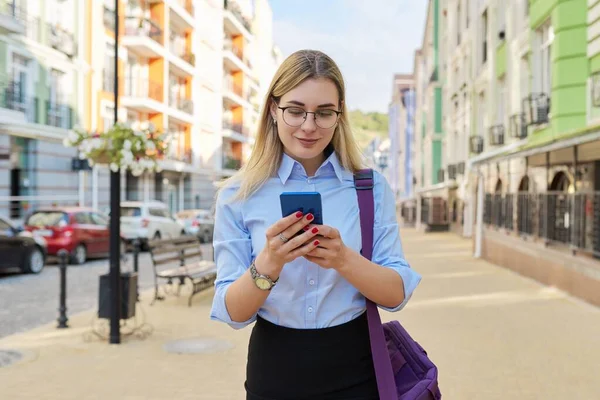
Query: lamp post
[(115, 214)]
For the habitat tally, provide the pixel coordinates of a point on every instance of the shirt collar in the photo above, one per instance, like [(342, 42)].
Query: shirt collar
[(287, 166)]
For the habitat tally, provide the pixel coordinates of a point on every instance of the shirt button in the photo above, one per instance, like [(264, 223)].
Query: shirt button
[(309, 180), (311, 282), (310, 309)]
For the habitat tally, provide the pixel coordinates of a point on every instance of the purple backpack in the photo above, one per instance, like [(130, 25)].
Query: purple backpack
[(403, 370)]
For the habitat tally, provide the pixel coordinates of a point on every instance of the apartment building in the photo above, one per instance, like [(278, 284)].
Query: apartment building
[(523, 84), (42, 76), (191, 68)]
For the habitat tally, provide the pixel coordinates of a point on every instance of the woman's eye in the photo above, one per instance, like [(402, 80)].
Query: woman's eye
[(296, 111), (326, 113)]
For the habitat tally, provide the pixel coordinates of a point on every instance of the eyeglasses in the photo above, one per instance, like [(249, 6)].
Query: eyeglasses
[(296, 116)]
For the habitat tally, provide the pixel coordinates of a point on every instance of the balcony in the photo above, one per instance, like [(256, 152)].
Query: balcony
[(12, 17), (62, 40), (109, 19), (182, 110), (537, 108), (59, 115), (182, 14), (234, 21), (185, 156), (20, 105), (496, 137), (235, 131), (143, 36), (183, 61), (234, 60), (476, 144), (231, 163), (143, 95), (518, 126), (233, 95)]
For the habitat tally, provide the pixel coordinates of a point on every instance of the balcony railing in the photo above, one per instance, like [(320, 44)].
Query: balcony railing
[(12, 98), (496, 137), (434, 211), (12, 9), (109, 19), (185, 156), (145, 27), (571, 219), (187, 4), (239, 53), (185, 105), (62, 40), (140, 87), (452, 171), (58, 115), (231, 163), (518, 126), (237, 127), (476, 144), (537, 108), (235, 10), (233, 87)]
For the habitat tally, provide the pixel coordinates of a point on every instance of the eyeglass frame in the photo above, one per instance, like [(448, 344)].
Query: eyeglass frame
[(306, 116)]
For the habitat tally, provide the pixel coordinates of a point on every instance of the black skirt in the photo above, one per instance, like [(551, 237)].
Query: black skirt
[(321, 364)]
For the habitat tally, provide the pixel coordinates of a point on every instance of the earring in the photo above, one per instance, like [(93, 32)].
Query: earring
[(274, 121)]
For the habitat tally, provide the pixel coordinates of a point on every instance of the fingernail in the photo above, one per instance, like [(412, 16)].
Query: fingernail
[(306, 228), (315, 230), (310, 217), (316, 243), (299, 214)]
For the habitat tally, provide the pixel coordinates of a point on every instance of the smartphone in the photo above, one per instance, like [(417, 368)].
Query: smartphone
[(306, 202)]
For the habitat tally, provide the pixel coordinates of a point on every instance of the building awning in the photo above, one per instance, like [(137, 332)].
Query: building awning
[(521, 151)]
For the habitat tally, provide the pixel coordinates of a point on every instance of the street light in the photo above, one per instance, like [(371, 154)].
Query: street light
[(115, 214)]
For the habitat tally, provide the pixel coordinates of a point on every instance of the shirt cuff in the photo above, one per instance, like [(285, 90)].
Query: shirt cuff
[(219, 311), (411, 279)]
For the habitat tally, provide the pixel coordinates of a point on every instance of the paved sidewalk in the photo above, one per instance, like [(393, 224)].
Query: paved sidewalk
[(493, 334)]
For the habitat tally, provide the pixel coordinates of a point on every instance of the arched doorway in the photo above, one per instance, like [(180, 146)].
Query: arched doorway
[(559, 215), (525, 203)]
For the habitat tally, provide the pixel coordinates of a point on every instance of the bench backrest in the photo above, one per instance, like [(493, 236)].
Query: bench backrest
[(182, 249)]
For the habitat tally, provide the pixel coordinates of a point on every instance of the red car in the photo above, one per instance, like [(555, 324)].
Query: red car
[(83, 232)]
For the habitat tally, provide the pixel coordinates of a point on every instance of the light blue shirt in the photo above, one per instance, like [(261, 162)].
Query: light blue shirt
[(306, 295)]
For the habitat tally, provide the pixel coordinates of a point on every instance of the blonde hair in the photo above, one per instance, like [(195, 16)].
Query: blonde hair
[(298, 67)]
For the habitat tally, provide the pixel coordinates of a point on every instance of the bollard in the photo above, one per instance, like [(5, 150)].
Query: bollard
[(62, 317), (136, 253)]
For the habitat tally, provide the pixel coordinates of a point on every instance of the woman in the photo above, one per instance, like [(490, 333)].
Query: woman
[(306, 293)]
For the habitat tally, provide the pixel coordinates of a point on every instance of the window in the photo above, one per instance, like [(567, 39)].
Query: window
[(467, 13), (542, 58), (99, 219), (108, 78), (484, 31), (131, 212), (83, 219), (108, 117)]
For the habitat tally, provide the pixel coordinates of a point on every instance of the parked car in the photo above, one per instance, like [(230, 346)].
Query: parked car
[(200, 223), (83, 232), (20, 250), (148, 221)]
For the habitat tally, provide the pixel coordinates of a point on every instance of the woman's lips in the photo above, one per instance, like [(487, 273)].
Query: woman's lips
[(307, 142)]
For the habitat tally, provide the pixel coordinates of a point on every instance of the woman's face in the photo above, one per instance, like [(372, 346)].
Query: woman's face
[(306, 140)]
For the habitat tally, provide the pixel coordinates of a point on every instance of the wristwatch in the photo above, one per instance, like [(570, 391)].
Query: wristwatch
[(263, 282)]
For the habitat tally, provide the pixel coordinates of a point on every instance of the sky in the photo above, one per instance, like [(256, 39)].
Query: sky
[(370, 40)]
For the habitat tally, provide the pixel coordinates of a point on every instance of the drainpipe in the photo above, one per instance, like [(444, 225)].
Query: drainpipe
[(479, 216)]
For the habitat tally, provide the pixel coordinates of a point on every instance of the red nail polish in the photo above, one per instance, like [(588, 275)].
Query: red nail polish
[(305, 228), (299, 214), (316, 243), (315, 230), (310, 217)]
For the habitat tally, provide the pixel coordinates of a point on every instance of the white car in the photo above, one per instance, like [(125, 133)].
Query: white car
[(199, 223), (148, 221)]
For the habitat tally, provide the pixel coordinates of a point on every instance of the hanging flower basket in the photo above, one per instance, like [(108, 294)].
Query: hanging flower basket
[(137, 147)]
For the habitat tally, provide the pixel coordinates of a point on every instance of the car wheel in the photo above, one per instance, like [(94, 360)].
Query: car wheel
[(35, 261), (79, 255)]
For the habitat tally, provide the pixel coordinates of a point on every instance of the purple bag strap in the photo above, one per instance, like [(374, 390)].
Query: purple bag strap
[(363, 181)]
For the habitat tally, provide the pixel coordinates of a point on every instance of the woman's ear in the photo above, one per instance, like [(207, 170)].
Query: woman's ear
[(273, 110)]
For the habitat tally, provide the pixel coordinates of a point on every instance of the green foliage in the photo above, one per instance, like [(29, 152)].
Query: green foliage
[(367, 126)]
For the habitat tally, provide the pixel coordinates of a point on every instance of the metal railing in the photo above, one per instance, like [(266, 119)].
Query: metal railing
[(434, 211), (61, 40), (237, 127), (231, 163), (59, 115), (12, 98), (235, 10), (180, 103), (229, 85), (239, 53), (571, 219), (138, 26), (13, 9)]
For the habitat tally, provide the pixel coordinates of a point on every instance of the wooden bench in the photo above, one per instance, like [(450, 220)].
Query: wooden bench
[(185, 250)]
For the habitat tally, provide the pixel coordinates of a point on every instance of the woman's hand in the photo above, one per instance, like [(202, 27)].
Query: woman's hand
[(282, 247), (331, 252)]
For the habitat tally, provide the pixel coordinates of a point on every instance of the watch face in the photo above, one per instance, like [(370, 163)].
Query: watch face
[(263, 284)]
